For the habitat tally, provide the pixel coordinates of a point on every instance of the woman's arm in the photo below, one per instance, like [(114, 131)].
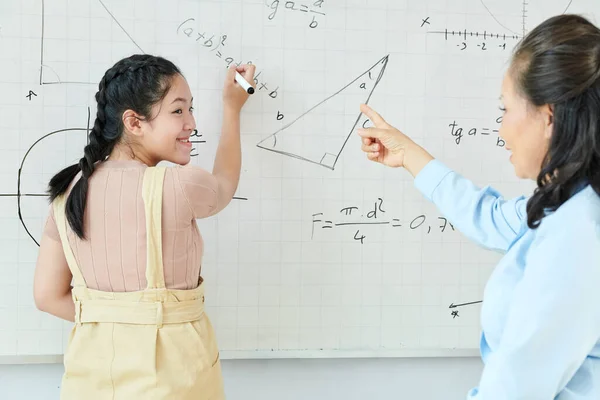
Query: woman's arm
[(228, 160), (52, 281), (481, 214), (554, 319)]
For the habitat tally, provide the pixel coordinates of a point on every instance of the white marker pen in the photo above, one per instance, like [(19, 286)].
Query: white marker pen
[(243, 83)]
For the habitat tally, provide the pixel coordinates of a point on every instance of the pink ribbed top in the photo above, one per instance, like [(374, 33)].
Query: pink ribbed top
[(113, 256)]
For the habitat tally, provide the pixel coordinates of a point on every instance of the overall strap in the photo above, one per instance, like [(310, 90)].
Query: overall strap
[(61, 224), (152, 193)]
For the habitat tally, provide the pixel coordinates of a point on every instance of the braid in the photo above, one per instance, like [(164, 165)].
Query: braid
[(101, 139), (98, 147), (96, 150), (130, 66), (133, 83)]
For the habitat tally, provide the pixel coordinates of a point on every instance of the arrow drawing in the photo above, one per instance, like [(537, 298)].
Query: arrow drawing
[(452, 305)]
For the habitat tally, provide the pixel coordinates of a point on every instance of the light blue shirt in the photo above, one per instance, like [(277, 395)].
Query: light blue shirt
[(540, 315)]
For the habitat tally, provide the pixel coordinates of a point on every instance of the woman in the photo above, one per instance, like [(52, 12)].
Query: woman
[(123, 229), (541, 309)]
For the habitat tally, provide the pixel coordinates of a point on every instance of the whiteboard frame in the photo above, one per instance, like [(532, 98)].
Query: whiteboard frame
[(292, 354)]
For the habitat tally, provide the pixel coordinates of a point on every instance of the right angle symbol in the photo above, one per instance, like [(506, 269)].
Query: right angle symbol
[(315, 136)]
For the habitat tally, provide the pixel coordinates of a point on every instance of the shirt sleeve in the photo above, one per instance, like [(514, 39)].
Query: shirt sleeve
[(481, 214), (50, 228), (200, 189), (553, 321)]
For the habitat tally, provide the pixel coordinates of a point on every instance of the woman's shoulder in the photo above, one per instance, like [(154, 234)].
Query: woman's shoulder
[(579, 216)]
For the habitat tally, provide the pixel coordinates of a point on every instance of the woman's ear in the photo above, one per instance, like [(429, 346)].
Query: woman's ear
[(548, 117), (132, 122)]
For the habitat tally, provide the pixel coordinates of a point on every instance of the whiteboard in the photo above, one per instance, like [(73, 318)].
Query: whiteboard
[(322, 253)]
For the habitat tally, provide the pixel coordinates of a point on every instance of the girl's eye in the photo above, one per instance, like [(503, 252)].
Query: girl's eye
[(191, 109), (178, 111)]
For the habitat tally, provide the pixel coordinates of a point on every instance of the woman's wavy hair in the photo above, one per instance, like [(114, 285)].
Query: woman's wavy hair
[(134, 83), (558, 64)]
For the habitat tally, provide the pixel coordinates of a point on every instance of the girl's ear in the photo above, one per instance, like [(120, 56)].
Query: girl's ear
[(132, 122)]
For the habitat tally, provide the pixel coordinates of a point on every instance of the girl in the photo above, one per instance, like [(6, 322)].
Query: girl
[(541, 307), (123, 231)]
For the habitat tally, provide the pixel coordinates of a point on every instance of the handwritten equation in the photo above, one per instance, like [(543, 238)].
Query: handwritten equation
[(196, 138), (372, 218), (314, 10), (458, 132), (216, 44)]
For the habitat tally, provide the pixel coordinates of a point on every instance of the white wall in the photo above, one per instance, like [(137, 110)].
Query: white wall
[(347, 379)]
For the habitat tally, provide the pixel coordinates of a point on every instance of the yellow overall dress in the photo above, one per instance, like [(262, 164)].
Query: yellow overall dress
[(151, 344)]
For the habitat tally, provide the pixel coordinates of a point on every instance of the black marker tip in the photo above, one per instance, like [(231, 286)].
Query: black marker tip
[(250, 90)]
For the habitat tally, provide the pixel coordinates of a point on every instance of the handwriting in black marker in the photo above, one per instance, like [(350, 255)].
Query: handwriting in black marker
[(378, 205), (198, 135), (414, 224), (371, 219), (273, 93), (195, 138), (273, 7), (188, 31), (215, 43), (315, 220), (31, 93), (457, 132), (357, 223), (348, 210), (425, 21), (263, 86), (445, 223), (361, 238), (209, 42)]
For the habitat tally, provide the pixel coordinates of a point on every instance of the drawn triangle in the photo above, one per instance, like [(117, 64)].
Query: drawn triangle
[(53, 71), (320, 134)]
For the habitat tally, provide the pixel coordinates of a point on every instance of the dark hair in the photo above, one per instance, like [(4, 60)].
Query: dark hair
[(558, 64), (137, 83)]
